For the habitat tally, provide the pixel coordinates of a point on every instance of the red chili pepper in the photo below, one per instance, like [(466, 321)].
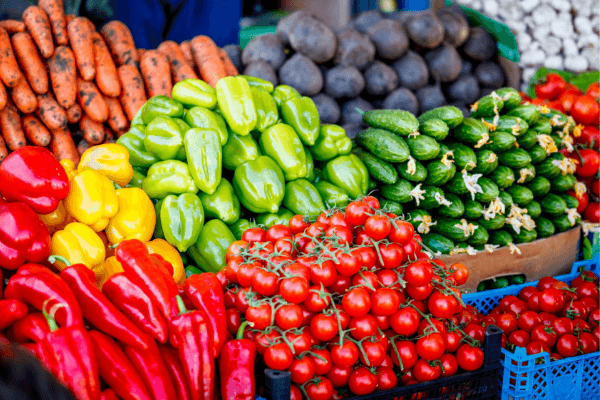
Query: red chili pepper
[(32, 175), (32, 328), (195, 345), (23, 236), (136, 305), (236, 367), (205, 292), (69, 354), (108, 394), (11, 311), (140, 267), (116, 369), (176, 370), (151, 367)]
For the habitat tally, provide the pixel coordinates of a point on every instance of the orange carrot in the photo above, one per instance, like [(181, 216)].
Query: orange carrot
[(62, 145), (229, 67), (82, 147), (50, 112), (156, 72), (29, 58), (133, 95), (208, 61), (3, 149), (35, 131), (9, 69), (93, 132), (63, 75), (74, 113), (109, 136), (69, 18), (141, 52), (80, 37), (56, 14), (23, 97), (106, 71), (91, 101), (10, 125), (120, 42), (186, 50), (3, 96), (180, 69), (38, 24), (116, 116), (12, 26)]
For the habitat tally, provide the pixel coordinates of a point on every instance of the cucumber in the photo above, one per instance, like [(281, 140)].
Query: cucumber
[(500, 141), (513, 125), (438, 243), (492, 224), (527, 112), (545, 227), (563, 224), (510, 96), (454, 210), (506, 199), (372, 185), (451, 115), (570, 200), (417, 214), (457, 185), (439, 173), (489, 188), (500, 237), (537, 154), (525, 174), (384, 144), (487, 161), (534, 209), (450, 227), (443, 150), (542, 126), (378, 169), (391, 206), (419, 175), (524, 236), (547, 168), (430, 202), (473, 210), (471, 131), (556, 119), (479, 237), (539, 186), (515, 158), (423, 147), (398, 191), (464, 156), (553, 205), (398, 121), (487, 106), (520, 194), (557, 140), (563, 183), (503, 176), (527, 140), (435, 128)]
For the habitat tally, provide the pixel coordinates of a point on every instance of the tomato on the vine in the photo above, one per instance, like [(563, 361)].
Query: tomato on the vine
[(469, 358), (544, 334), (363, 327), (588, 162), (551, 87), (324, 327), (339, 376), (402, 232), (375, 354), (345, 355), (278, 357), (321, 359), (567, 345), (529, 320), (519, 338), (586, 110), (391, 255), (424, 371), (362, 381), (460, 273), (378, 227), (288, 316), (431, 347), (386, 378), (320, 389), (385, 301), (405, 321), (298, 224), (418, 273), (357, 213), (301, 370), (441, 306), (582, 201), (592, 212), (551, 300)]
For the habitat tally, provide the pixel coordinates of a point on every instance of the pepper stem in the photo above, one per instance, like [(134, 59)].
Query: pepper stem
[(49, 315), (181, 305), (240, 332), (54, 258), (117, 187)]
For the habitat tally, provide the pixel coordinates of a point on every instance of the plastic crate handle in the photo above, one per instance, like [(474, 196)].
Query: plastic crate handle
[(278, 384), (492, 346)]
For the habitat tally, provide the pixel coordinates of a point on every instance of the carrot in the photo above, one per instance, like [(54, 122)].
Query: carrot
[(133, 95), (3, 149), (80, 38), (56, 14), (106, 70), (82, 147), (30, 61), (93, 132), (109, 136), (38, 25), (3, 96), (63, 75), (12, 26), (141, 52), (229, 67), (23, 97), (9, 69), (91, 101), (10, 125), (180, 69), (69, 18), (74, 113), (35, 131), (62, 145), (208, 61), (186, 50), (156, 72), (50, 112), (116, 116), (120, 42)]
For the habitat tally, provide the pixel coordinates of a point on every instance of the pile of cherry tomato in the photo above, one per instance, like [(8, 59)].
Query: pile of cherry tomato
[(350, 303)]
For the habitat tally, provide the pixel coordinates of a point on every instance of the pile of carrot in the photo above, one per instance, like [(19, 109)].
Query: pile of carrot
[(65, 86)]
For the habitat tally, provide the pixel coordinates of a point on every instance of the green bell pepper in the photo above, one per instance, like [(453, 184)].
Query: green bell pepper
[(158, 230), (281, 217), (168, 177), (266, 109), (302, 115), (137, 118), (318, 175), (348, 173), (332, 195), (310, 166), (301, 197), (236, 104), (241, 226), (222, 204), (258, 83), (194, 92), (209, 250), (332, 142), (183, 127), (238, 150), (204, 155), (284, 92), (161, 105), (163, 138), (259, 185), (282, 144), (200, 117), (136, 179), (191, 270), (133, 141), (182, 218)]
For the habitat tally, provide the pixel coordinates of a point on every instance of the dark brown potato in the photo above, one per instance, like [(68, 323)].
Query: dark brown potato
[(430, 97), (352, 130), (314, 39), (261, 69), (285, 25), (390, 39), (426, 30), (329, 110), (349, 114), (354, 48), (234, 52), (301, 73), (380, 79), (402, 99), (480, 46), (444, 63), (490, 74), (365, 20), (465, 89), (456, 27), (344, 82), (267, 48), (412, 71)]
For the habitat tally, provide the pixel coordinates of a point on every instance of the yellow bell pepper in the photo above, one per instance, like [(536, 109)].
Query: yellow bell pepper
[(136, 217), (92, 199), (57, 219), (111, 160), (110, 266), (79, 244), (69, 167), (169, 253)]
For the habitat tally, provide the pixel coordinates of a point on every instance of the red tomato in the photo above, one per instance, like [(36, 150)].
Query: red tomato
[(367, 279), (402, 233), (507, 322), (294, 290), (302, 341), (419, 292), (563, 326), (234, 320), (277, 232), (264, 340), (246, 272), (260, 316), (567, 99), (533, 302), (321, 359), (278, 357), (432, 325), (418, 273), (449, 364), (324, 327), (342, 233), (593, 90), (339, 376), (546, 283), (517, 308), (241, 299), (544, 334), (341, 285), (265, 283), (519, 338), (505, 302), (362, 381), (575, 310), (592, 212), (288, 316), (357, 213), (460, 273), (567, 345), (587, 343), (345, 355), (302, 369), (589, 135), (298, 224), (441, 306), (391, 255), (324, 272), (375, 354), (348, 263), (584, 276), (552, 301), (594, 318), (254, 235), (547, 318), (588, 164), (322, 389), (529, 320), (586, 110), (372, 202), (378, 227), (295, 393), (537, 347), (316, 229), (410, 251), (452, 341), (469, 358), (582, 200), (551, 87), (314, 302), (363, 327), (385, 301), (526, 292), (338, 219), (405, 321), (424, 371), (357, 302), (386, 378), (475, 331), (431, 347)]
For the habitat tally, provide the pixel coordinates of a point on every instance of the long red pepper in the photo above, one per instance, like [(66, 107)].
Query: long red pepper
[(171, 358), (136, 305), (116, 369), (32, 269), (151, 367), (205, 292), (236, 367), (108, 394), (32, 328), (11, 311), (98, 309)]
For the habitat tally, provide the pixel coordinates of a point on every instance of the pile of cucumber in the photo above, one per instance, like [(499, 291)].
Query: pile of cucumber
[(491, 180)]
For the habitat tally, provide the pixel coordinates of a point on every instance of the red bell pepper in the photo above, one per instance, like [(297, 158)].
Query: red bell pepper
[(108, 394), (32, 175), (194, 341), (176, 370), (32, 328), (205, 292), (116, 369), (98, 310), (31, 269), (32, 348), (236, 367), (11, 311), (23, 236)]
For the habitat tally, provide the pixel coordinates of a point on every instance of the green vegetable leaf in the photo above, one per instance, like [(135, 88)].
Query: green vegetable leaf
[(584, 80)]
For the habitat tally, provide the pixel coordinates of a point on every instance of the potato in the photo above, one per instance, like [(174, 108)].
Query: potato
[(467, 67), (365, 20), (350, 115), (302, 74), (480, 45), (380, 79), (261, 69), (285, 24), (464, 89), (402, 99), (486, 91), (389, 38), (444, 63), (490, 74), (344, 82), (426, 30), (234, 52), (412, 71), (267, 48), (313, 39), (329, 110), (456, 28), (430, 97), (352, 130), (354, 48)]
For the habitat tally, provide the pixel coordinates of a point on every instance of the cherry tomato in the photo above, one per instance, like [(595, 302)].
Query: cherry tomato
[(519, 338), (386, 378), (567, 345), (405, 321), (324, 327), (419, 292), (288, 316), (517, 308), (316, 229), (345, 355), (294, 290), (563, 326), (452, 341), (241, 299), (265, 282), (587, 343), (348, 263), (529, 320), (322, 389), (536, 348), (418, 273), (460, 273), (505, 302), (375, 354), (575, 310), (254, 235), (449, 364), (260, 316), (338, 219), (367, 279), (441, 306), (533, 302), (385, 301), (357, 302), (339, 376), (321, 359), (592, 212), (391, 255), (389, 279), (410, 251), (526, 292), (507, 322), (342, 233), (402, 233), (314, 302), (378, 227), (475, 331), (363, 327), (424, 371), (278, 357), (297, 224), (246, 272), (551, 301), (469, 358), (302, 369), (302, 341), (431, 347), (586, 110), (551, 87), (277, 232), (588, 163), (357, 213), (362, 381), (544, 334)]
